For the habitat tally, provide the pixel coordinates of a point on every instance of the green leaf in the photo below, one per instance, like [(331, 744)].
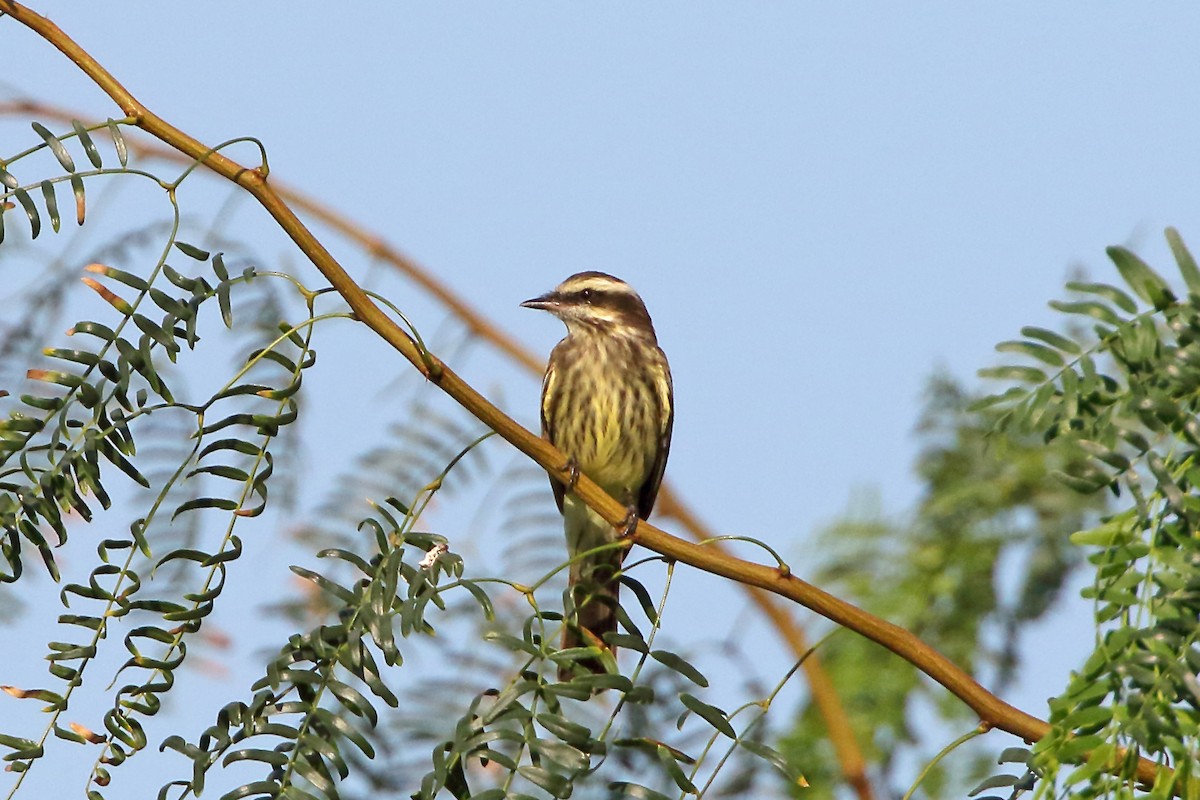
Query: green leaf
[(1105, 454), (1013, 373), (1113, 533), (1084, 484), (1010, 395), (220, 503), (92, 623), (511, 642), (273, 757), (570, 732), (118, 142), (635, 791), (1014, 756), (16, 743), (775, 759), (1183, 258), (222, 471), (353, 701), (1087, 717), (481, 597), (1051, 338), (710, 714), (156, 332), (121, 276), (89, 147), (643, 597), (191, 251), (1040, 352), (666, 756), (343, 726), (1166, 483), (994, 782), (1107, 291), (80, 200), (171, 305), (56, 147), (627, 641), (35, 221), (119, 461), (678, 664), (265, 788), (340, 592), (68, 735), (224, 303), (1088, 308), (51, 200), (65, 651), (556, 785), (1144, 281)]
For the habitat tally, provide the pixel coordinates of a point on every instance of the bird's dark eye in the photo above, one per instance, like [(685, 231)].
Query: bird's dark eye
[(586, 295)]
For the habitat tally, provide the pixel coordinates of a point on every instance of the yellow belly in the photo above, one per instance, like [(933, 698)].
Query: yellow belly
[(612, 433)]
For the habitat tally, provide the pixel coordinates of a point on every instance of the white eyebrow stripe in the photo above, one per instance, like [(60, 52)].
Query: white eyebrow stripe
[(597, 284)]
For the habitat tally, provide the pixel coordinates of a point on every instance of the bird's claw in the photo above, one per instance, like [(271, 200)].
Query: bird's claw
[(572, 469), (629, 525)]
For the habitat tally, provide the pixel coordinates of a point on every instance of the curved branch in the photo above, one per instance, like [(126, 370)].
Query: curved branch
[(992, 711), (824, 695)]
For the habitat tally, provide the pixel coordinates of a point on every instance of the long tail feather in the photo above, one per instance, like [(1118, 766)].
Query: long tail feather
[(594, 589)]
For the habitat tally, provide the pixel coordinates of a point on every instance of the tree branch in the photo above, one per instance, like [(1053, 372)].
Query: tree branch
[(992, 711), (824, 695)]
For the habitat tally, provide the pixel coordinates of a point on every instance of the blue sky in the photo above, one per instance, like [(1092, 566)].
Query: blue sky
[(820, 204)]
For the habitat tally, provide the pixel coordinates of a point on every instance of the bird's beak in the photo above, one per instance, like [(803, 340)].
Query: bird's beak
[(546, 302)]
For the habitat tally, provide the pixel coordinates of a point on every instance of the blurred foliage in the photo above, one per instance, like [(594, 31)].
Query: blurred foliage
[(1090, 454), (988, 500)]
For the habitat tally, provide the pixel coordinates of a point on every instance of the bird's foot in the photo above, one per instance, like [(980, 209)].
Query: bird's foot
[(572, 469), (629, 525)]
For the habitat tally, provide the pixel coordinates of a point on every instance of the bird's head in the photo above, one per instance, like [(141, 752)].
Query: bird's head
[(595, 302)]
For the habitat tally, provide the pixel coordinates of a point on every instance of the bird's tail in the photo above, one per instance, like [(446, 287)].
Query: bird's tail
[(594, 592), (593, 582)]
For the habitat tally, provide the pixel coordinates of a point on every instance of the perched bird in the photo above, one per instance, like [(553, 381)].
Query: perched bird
[(607, 403)]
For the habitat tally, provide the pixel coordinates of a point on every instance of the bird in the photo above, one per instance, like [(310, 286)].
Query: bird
[(608, 404)]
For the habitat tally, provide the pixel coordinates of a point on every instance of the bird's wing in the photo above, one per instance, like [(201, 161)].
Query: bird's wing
[(548, 430), (666, 402)]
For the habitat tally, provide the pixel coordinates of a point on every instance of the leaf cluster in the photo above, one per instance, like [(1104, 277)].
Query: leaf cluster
[(1123, 397), (60, 443), (987, 499)]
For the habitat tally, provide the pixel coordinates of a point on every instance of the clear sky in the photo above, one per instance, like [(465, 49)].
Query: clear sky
[(821, 204)]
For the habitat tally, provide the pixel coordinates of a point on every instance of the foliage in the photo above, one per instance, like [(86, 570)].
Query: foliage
[(988, 500), (1123, 399), (1099, 419), (133, 416)]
